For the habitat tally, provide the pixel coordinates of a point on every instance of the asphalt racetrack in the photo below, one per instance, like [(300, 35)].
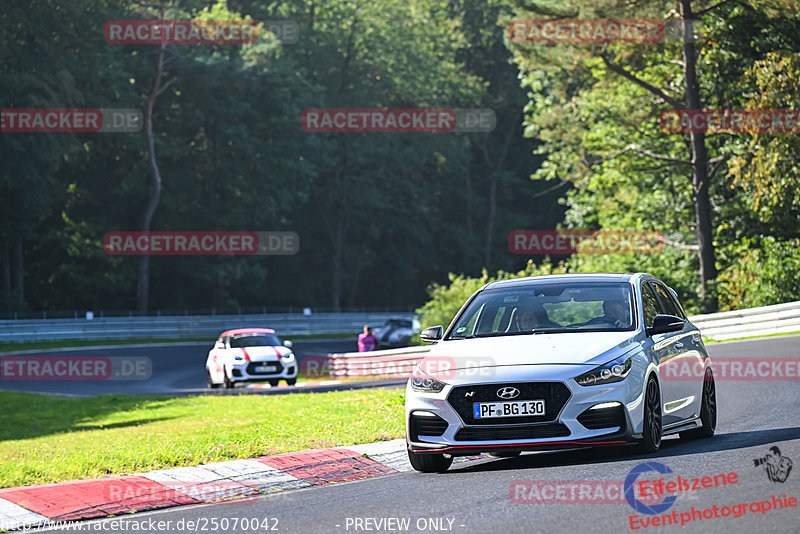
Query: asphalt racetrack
[(479, 496), (176, 369)]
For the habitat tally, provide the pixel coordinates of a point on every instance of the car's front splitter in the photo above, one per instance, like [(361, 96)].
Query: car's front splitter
[(622, 436)]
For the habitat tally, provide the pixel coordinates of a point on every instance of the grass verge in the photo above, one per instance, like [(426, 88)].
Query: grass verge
[(52, 439), (709, 340)]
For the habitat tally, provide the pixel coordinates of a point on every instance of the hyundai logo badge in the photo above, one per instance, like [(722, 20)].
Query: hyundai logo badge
[(508, 393)]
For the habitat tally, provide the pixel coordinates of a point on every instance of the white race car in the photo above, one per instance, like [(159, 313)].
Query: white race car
[(250, 354), (555, 362)]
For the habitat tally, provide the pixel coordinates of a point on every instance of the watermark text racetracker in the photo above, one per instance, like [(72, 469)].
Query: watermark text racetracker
[(645, 492), (197, 31), (75, 368), (441, 367), (152, 524), (586, 31), (585, 242), (78, 120), (744, 369), (730, 121), (201, 243), (397, 120)]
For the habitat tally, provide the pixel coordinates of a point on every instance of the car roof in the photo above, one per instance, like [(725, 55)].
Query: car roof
[(240, 331), (582, 277)]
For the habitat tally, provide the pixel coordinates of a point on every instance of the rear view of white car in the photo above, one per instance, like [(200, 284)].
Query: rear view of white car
[(250, 355)]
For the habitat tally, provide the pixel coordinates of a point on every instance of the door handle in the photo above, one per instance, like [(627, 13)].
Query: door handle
[(678, 345)]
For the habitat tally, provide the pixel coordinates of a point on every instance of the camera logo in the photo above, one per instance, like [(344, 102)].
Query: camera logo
[(777, 466)]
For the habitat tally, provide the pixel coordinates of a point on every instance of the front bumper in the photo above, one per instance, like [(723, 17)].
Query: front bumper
[(245, 371), (562, 427)]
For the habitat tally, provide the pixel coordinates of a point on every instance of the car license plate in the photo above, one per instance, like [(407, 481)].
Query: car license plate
[(486, 410), (265, 369)]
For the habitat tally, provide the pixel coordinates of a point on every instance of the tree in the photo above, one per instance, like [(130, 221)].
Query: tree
[(664, 75)]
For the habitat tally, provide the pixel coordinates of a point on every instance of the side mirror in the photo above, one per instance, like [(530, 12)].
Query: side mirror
[(663, 323), (288, 344), (432, 334), (219, 345)]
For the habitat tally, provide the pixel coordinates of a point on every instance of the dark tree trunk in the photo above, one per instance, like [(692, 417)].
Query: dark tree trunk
[(6, 270), (19, 274), (496, 168), (490, 220), (337, 240), (154, 185), (700, 175)]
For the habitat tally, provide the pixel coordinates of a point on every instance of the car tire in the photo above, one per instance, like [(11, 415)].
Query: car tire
[(506, 454), (708, 411), (291, 381), (227, 382), (273, 383), (210, 382), (429, 463), (652, 423)]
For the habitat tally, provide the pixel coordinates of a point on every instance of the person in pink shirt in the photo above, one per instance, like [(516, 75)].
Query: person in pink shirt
[(367, 340)]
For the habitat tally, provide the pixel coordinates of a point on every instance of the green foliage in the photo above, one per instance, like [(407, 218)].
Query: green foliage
[(761, 271), (598, 130), (233, 156), (446, 300), (382, 215), (768, 169)]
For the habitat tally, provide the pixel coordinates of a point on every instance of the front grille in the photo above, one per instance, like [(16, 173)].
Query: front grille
[(603, 417), (554, 394), (251, 369), (426, 426), (547, 430)]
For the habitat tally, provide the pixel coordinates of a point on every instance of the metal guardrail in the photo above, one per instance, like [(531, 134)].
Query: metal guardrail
[(775, 319), (383, 363), (779, 318), (175, 327)]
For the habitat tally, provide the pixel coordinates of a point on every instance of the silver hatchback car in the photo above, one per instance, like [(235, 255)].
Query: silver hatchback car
[(559, 362)]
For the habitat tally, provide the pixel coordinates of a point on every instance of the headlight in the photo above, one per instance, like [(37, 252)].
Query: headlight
[(289, 356), (613, 371), (238, 358), (421, 381)]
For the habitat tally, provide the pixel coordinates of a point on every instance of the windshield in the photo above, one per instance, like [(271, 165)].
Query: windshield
[(547, 308), (255, 340)]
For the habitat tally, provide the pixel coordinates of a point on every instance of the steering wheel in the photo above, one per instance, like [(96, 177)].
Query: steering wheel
[(598, 320)]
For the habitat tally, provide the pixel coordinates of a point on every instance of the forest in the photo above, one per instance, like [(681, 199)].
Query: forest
[(389, 220)]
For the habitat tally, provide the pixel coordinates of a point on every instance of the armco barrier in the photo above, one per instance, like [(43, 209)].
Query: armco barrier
[(175, 327), (775, 319), (384, 363), (779, 318)]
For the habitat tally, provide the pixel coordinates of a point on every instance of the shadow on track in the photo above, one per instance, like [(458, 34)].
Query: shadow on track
[(669, 447)]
